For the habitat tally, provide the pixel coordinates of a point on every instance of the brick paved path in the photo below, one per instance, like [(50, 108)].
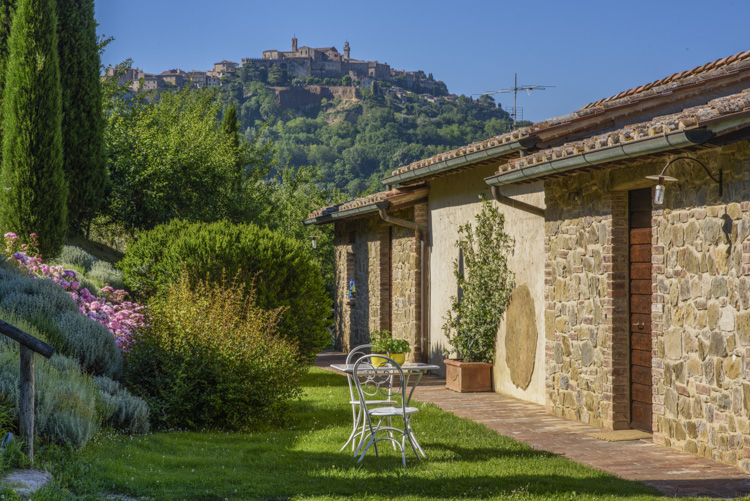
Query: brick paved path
[(673, 472)]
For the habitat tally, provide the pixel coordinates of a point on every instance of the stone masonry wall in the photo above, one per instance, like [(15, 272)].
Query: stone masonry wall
[(701, 319), (386, 272), (700, 302), (582, 303), (405, 283), (356, 242)]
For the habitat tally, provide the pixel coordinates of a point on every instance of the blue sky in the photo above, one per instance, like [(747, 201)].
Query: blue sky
[(587, 50)]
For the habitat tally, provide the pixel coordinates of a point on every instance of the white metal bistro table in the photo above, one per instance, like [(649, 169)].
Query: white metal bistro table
[(417, 369)]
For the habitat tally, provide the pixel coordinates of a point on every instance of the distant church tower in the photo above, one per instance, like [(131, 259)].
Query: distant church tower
[(294, 44), (346, 51)]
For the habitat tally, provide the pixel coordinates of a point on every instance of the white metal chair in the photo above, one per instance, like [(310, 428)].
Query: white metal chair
[(372, 382), (358, 425)]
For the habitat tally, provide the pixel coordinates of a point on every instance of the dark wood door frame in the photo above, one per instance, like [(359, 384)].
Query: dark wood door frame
[(639, 259)]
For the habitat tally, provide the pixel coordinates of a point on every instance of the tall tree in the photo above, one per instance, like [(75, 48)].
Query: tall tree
[(33, 198), (83, 121), (7, 7), (230, 124)]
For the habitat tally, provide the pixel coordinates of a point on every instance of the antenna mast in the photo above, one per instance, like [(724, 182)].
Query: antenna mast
[(514, 90)]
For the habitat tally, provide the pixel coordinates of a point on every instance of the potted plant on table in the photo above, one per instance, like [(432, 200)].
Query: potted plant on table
[(485, 283), (383, 342)]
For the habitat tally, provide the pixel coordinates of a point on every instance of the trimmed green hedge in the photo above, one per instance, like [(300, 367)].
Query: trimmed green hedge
[(284, 273)]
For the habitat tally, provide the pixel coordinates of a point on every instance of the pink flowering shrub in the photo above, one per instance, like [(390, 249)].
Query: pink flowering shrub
[(112, 309)]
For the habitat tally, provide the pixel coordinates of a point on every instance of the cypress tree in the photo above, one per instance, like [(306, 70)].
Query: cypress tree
[(7, 7), (33, 192), (83, 120), (230, 124)]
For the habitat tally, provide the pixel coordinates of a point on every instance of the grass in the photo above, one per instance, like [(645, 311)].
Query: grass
[(302, 461)]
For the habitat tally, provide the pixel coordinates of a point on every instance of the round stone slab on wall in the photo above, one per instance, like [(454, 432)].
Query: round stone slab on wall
[(521, 337)]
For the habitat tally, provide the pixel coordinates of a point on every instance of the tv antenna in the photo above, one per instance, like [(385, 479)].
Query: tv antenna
[(514, 90)]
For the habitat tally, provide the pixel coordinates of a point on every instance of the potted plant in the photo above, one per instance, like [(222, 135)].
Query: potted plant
[(485, 283), (383, 342)]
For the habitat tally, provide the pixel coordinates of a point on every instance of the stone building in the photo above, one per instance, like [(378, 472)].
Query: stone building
[(322, 62), (173, 78), (627, 313), (312, 95), (224, 68), (140, 80)]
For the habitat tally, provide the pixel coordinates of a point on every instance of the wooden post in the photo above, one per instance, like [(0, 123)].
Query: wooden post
[(26, 401), (29, 346)]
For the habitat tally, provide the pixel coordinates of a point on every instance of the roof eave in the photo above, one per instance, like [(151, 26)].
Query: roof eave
[(462, 161), (652, 145), (333, 216)]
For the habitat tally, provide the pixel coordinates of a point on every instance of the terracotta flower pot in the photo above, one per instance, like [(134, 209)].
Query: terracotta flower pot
[(467, 377)]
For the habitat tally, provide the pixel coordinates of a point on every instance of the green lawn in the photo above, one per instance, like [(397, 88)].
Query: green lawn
[(464, 461)]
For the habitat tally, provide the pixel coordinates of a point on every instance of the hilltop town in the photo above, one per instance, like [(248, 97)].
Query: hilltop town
[(301, 66)]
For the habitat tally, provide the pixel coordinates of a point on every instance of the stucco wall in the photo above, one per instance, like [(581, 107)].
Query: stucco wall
[(453, 201)]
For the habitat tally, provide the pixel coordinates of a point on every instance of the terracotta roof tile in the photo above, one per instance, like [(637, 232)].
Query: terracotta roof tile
[(716, 68), (689, 118), (353, 204), (708, 70), (465, 150)]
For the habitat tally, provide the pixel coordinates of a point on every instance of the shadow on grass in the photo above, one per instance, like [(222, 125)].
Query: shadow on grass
[(465, 460), (322, 379), (306, 474), (305, 462)]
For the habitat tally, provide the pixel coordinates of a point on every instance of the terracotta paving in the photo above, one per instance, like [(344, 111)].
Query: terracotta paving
[(674, 473)]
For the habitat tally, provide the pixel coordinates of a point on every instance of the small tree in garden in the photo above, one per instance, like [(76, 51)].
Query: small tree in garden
[(212, 357), (485, 282), (33, 191)]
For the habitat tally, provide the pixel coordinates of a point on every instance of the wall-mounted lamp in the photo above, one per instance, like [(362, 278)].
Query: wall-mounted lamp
[(575, 197), (659, 192), (314, 239)]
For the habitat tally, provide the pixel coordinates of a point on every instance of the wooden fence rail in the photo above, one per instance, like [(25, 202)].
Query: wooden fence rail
[(29, 346)]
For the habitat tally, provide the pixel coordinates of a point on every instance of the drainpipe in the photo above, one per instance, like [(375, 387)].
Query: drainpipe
[(423, 233), (516, 204)]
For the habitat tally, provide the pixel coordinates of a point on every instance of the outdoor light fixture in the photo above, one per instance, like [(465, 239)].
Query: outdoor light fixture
[(659, 192), (575, 197), (315, 240)]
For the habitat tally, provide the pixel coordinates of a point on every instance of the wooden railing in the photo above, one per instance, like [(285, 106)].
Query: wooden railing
[(29, 346)]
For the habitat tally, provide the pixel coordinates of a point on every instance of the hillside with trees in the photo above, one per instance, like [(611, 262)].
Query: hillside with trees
[(352, 143)]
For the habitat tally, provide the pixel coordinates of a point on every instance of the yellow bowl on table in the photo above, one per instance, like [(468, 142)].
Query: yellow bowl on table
[(399, 358)]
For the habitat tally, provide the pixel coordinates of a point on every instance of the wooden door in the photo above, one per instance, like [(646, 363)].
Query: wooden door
[(640, 309)]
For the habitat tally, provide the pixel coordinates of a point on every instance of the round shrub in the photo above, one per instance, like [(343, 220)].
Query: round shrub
[(211, 358), (106, 274), (85, 283), (120, 409), (284, 273), (7, 272), (65, 411), (88, 341), (76, 256), (50, 309), (29, 298)]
